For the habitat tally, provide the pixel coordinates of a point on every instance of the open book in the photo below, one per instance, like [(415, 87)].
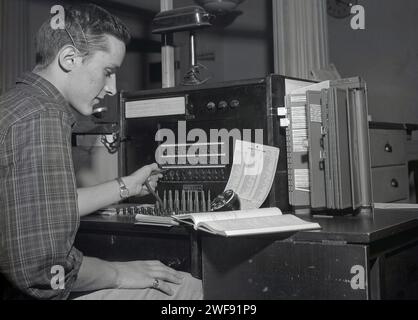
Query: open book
[(246, 222), (161, 221)]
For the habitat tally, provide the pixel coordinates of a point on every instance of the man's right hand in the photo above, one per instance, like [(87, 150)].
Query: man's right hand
[(135, 181)]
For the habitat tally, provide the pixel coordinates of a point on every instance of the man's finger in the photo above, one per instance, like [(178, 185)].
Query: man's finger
[(163, 286), (173, 277)]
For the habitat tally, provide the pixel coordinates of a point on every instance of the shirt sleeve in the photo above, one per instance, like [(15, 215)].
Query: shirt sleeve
[(39, 197)]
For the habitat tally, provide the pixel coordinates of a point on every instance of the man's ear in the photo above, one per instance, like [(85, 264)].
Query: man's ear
[(68, 58)]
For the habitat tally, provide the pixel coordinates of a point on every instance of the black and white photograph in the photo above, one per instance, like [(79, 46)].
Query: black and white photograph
[(208, 154)]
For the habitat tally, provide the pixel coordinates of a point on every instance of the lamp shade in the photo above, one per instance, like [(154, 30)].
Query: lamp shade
[(219, 5)]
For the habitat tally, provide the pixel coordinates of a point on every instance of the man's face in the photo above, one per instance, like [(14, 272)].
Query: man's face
[(95, 77)]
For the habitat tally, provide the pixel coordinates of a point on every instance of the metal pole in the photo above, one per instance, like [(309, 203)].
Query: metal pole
[(167, 52), (192, 49)]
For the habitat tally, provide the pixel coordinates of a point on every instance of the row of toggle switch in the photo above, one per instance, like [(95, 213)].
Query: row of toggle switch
[(131, 210), (201, 174), (173, 203), (187, 201)]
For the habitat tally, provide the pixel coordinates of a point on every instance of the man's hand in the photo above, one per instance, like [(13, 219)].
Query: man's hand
[(135, 181), (146, 274)]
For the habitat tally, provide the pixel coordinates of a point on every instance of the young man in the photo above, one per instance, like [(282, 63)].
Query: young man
[(40, 204)]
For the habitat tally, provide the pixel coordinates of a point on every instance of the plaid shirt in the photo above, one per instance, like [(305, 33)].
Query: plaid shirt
[(38, 197)]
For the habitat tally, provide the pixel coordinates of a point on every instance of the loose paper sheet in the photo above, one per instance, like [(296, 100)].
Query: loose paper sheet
[(253, 171)]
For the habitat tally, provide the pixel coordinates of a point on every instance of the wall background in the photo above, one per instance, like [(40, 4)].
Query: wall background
[(385, 54), (130, 75), (242, 49)]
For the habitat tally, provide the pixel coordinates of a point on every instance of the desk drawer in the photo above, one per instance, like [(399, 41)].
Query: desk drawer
[(387, 147), (390, 183)]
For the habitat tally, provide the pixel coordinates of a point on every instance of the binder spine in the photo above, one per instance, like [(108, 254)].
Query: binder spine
[(361, 113), (316, 150)]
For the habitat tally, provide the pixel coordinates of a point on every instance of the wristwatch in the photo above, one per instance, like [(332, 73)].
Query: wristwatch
[(124, 191)]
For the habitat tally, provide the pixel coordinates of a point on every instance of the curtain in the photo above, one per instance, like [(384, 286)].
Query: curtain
[(300, 37), (14, 41)]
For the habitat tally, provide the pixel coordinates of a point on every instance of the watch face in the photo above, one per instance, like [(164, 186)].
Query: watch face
[(124, 192), (340, 8)]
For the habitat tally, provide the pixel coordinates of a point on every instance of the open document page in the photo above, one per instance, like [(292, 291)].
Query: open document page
[(253, 171), (246, 222), (196, 218)]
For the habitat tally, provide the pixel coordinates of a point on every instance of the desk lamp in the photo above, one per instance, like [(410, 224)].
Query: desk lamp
[(189, 19)]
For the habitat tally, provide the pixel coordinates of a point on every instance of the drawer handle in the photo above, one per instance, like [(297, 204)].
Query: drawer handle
[(394, 183), (388, 148)]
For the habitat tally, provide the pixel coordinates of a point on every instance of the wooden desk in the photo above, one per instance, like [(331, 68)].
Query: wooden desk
[(117, 238), (380, 252), (309, 265)]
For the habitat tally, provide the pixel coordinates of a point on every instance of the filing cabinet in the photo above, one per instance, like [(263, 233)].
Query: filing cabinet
[(389, 165)]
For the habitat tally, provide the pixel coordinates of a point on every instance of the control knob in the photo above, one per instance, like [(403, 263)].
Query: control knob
[(234, 104), (211, 106), (222, 105)]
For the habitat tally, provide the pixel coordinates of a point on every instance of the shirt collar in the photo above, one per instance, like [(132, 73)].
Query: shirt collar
[(48, 89)]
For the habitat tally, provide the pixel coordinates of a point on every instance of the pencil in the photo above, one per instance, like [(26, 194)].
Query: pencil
[(156, 196)]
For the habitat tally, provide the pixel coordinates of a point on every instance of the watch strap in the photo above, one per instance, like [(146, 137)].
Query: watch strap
[(123, 189)]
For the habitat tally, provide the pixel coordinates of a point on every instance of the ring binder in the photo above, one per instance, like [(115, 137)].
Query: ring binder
[(337, 156)]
